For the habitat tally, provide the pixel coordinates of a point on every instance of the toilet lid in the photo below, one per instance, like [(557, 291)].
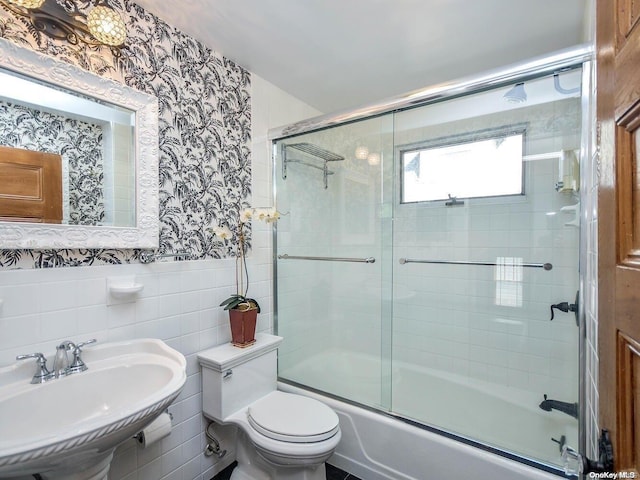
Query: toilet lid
[(293, 418)]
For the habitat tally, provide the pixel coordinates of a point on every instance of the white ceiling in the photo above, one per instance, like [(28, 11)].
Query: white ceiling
[(338, 54)]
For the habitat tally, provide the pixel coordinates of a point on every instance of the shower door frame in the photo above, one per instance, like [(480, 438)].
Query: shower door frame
[(581, 56)]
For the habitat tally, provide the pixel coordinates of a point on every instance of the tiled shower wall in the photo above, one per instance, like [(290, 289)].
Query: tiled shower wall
[(463, 320), (590, 291), (492, 323), (330, 313)]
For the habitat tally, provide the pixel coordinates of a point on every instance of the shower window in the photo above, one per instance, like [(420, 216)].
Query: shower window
[(488, 165)]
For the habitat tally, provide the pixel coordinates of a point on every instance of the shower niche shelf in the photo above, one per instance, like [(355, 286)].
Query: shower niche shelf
[(311, 153)]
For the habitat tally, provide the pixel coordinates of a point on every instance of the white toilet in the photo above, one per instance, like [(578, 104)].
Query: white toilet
[(280, 435)]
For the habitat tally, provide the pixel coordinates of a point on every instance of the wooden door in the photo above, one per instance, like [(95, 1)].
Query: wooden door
[(30, 186), (618, 107)]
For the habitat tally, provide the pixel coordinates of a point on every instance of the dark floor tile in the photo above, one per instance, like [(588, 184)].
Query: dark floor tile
[(226, 473), (333, 473)]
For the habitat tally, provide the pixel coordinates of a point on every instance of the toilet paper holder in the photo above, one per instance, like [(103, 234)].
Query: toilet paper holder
[(139, 437)]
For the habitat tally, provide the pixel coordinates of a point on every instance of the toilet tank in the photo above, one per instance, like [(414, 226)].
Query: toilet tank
[(234, 377)]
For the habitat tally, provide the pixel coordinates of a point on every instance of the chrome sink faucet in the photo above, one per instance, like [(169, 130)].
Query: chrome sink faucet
[(61, 365), (42, 373), (77, 364), (61, 360)]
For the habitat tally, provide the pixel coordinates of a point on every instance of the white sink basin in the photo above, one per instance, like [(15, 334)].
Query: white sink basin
[(69, 427)]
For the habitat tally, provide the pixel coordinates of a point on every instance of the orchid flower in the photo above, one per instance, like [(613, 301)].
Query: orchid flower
[(222, 232), (268, 215), (246, 215)]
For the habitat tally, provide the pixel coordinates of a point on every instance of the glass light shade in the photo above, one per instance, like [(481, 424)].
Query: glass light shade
[(27, 3), (107, 26), (373, 159), (362, 153)]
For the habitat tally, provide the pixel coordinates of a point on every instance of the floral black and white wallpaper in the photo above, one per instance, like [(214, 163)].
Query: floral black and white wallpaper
[(78, 143), (204, 132)]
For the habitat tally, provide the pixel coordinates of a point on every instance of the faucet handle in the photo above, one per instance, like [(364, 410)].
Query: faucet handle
[(42, 372), (82, 344), (40, 358), (77, 364)]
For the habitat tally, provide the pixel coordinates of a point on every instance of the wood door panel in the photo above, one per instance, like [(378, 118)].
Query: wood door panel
[(30, 186), (628, 196), (628, 402), (21, 181), (627, 92), (628, 12), (618, 105)]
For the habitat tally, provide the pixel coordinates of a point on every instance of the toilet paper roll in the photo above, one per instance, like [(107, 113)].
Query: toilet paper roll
[(156, 430)]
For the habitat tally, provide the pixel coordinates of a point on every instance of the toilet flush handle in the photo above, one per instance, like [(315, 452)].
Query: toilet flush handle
[(227, 374)]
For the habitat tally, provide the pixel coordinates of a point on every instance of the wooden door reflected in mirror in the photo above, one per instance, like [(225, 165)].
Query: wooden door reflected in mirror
[(30, 186)]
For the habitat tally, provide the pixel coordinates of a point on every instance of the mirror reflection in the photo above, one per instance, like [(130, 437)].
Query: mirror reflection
[(64, 158)]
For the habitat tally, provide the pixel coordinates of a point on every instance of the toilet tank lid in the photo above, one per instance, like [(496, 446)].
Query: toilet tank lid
[(226, 356)]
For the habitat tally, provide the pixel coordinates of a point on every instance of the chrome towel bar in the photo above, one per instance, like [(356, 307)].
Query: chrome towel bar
[(546, 266), (328, 259), (148, 256)]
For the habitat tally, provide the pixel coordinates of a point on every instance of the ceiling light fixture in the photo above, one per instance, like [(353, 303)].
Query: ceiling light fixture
[(63, 20)]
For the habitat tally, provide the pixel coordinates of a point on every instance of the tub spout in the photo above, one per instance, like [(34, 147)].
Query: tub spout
[(564, 407)]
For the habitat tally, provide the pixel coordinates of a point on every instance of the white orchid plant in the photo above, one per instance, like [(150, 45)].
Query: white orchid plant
[(240, 300)]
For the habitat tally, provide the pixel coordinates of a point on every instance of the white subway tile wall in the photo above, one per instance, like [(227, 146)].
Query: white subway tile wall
[(179, 305), (484, 322), (590, 292)]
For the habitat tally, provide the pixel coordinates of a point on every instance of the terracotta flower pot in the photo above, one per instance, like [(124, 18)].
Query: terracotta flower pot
[(243, 327)]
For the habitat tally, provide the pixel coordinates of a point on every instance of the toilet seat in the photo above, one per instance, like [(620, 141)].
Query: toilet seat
[(292, 418)]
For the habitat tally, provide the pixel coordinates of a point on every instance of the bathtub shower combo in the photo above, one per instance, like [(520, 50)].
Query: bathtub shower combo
[(428, 269)]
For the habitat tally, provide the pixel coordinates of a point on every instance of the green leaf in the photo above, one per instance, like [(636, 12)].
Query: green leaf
[(233, 303), (254, 302), (232, 298)]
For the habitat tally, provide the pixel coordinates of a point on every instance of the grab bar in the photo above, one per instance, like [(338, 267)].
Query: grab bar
[(546, 266), (328, 259)]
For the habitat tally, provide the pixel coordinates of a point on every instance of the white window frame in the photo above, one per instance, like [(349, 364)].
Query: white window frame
[(472, 137)]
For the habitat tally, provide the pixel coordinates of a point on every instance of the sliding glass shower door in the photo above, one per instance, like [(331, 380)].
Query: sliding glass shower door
[(333, 248), (428, 264), (486, 240)]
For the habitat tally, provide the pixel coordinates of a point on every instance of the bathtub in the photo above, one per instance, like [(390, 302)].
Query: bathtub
[(377, 446)]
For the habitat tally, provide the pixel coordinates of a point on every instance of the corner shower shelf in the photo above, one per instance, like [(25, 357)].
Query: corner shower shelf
[(313, 153)]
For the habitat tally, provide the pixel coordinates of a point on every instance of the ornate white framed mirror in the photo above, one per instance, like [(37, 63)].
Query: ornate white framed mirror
[(100, 140)]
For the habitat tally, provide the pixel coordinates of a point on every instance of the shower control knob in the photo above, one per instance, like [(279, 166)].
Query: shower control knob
[(577, 464), (568, 307), (564, 307)]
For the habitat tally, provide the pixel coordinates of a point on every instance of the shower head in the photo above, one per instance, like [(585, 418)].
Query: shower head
[(516, 94)]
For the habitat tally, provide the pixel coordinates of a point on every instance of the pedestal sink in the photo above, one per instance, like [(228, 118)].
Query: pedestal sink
[(68, 428)]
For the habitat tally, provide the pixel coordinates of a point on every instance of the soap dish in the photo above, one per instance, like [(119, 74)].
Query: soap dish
[(122, 289)]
